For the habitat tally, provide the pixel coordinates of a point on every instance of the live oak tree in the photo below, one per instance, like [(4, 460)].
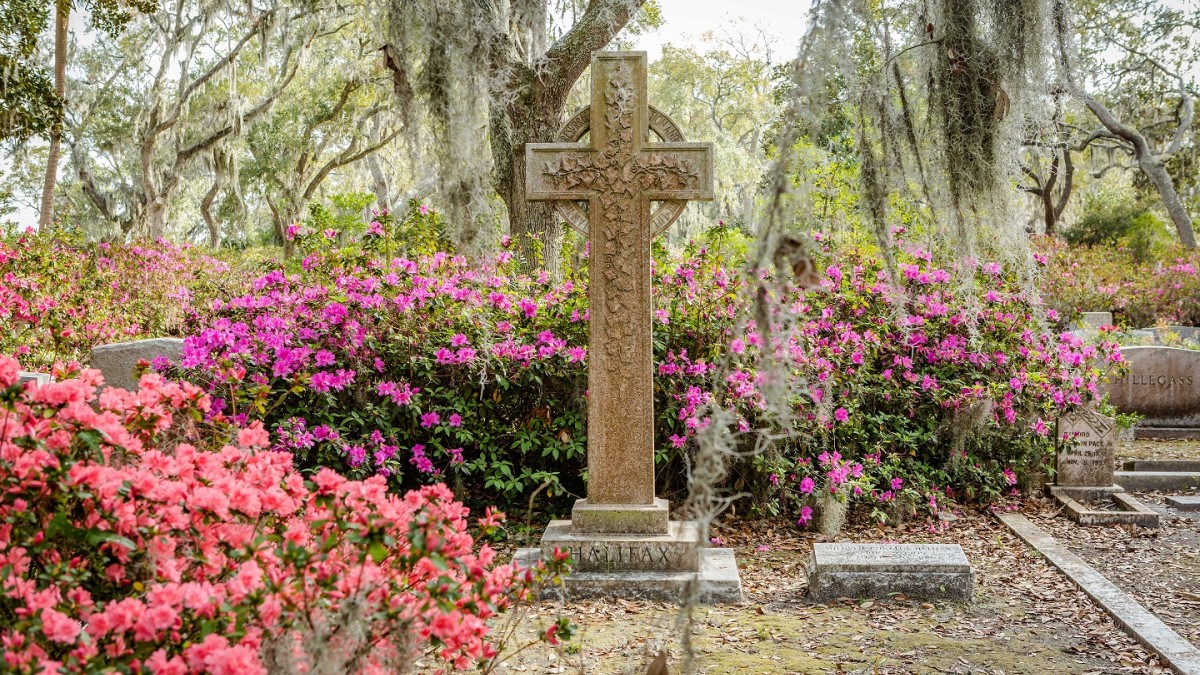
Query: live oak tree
[(491, 67), (32, 104), (724, 94), (1140, 58), (337, 115), (183, 104)]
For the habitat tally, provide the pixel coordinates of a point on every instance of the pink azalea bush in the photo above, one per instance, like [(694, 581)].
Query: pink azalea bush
[(60, 296), (947, 385), (138, 535), (429, 367), (1105, 278)]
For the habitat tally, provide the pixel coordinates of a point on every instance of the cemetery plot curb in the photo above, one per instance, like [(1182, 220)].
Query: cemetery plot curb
[(1137, 621)]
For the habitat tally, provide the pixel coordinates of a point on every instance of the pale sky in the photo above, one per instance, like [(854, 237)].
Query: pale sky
[(685, 21)]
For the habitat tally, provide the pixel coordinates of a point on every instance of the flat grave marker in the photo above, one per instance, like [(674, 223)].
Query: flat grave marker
[(1185, 503), (934, 571)]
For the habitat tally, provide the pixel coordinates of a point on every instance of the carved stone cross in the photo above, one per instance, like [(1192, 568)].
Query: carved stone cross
[(619, 173)]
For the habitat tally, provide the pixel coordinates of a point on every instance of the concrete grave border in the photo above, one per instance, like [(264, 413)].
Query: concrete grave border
[(1143, 626), (1132, 512)]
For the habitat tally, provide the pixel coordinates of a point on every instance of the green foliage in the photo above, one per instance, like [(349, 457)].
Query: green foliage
[(342, 211), (1113, 217), (29, 105)]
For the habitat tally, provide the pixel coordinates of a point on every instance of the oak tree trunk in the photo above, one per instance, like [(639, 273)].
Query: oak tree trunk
[(214, 226), (536, 229), (1151, 164), (1156, 171), (62, 13), (533, 113)]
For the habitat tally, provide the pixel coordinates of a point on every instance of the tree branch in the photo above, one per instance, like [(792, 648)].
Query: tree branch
[(344, 158), (566, 59)]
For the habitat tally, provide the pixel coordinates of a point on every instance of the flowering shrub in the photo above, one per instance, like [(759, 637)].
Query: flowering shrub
[(1108, 278), (429, 368), (139, 533), (60, 296), (937, 387)]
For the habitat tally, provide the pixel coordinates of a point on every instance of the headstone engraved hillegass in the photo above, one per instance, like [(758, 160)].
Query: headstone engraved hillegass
[(117, 361), (1084, 475), (1163, 385), (935, 571), (621, 537)]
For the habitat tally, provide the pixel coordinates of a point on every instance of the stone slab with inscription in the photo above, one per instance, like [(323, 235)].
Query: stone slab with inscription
[(1087, 441), (716, 580), (1094, 320), (1162, 385), (674, 551), (938, 571)]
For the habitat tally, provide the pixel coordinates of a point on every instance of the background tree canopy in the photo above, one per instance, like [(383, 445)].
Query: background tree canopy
[(224, 124)]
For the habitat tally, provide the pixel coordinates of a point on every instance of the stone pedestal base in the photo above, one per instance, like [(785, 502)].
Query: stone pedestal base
[(716, 581), (674, 551), (637, 551), (621, 518)]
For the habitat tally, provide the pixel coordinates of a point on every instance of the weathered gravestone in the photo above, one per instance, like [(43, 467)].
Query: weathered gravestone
[(1162, 385), (621, 537), (1085, 456), (1169, 335), (1087, 443), (880, 570), (1094, 320), (1186, 333), (117, 361), (37, 378)]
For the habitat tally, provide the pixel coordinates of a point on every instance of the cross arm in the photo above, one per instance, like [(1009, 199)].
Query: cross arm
[(555, 171), (676, 171)]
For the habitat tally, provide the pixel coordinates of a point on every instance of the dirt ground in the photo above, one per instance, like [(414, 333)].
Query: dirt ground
[(1026, 618), (1158, 449), (1159, 567)]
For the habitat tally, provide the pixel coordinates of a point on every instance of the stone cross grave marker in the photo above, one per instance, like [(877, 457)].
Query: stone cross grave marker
[(619, 173), (1087, 441), (621, 537)]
